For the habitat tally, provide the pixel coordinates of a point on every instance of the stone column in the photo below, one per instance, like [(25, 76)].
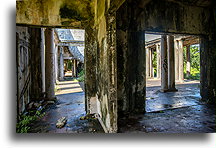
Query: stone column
[(61, 63), (176, 43), (164, 65), (75, 67), (171, 64), (158, 61), (56, 64), (147, 63), (188, 66), (43, 60), (151, 63), (49, 64), (181, 62), (72, 68)]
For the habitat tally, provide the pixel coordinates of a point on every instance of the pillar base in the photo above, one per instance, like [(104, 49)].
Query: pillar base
[(61, 79), (164, 90), (172, 90)]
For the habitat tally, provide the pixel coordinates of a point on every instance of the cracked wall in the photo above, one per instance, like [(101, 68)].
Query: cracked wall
[(29, 80), (162, 17), (101, 74)]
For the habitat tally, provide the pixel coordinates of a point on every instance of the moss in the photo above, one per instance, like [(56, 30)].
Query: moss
[(66, 12), (81, 76), (100, 8)]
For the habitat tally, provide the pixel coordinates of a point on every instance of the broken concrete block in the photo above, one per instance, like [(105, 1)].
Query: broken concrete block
[(61, 122)]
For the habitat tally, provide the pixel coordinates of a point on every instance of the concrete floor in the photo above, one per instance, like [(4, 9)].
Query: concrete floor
[(172, 112), (70, 104)]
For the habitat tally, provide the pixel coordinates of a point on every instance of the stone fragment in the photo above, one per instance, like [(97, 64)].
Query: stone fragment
[(50, 102), (61, 122)]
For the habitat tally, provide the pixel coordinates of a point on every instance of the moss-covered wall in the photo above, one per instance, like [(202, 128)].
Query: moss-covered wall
[(56, 13), (131, 60), (104, 31)]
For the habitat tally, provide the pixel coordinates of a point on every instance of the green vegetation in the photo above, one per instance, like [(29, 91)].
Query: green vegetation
[(155, 63), (23, 126), (81, 76), (195, 63)]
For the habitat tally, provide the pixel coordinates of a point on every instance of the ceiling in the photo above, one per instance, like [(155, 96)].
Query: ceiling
[(200, 3)]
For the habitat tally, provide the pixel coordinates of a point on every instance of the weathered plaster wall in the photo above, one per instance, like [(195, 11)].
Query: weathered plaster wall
[(131, 60), (90, 66), (23, 67), (29, 80), (102, 44), (36, 71), (54, 12), (167, 16), (106, 75), (208, 60)]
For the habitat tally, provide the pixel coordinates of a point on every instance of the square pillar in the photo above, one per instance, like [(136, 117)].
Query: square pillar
[(171, 64), (164, 64), (188, 65), (75, 68), (151, 63), (61, 63), (158, 61), (176, 45), (43, 60), (147, 62), (56, 64), (49, 64), (181, 61)]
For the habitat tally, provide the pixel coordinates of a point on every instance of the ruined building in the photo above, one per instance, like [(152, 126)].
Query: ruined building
[(115, 53)]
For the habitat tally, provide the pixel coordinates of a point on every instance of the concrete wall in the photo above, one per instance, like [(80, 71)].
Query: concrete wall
[(100, 59), (23, 67), (131, 63), (160, 16), (54, 12), (29, 80), (172, 17)]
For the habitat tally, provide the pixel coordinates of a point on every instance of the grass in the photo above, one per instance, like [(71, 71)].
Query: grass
[(23, 126), (81, 76)]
